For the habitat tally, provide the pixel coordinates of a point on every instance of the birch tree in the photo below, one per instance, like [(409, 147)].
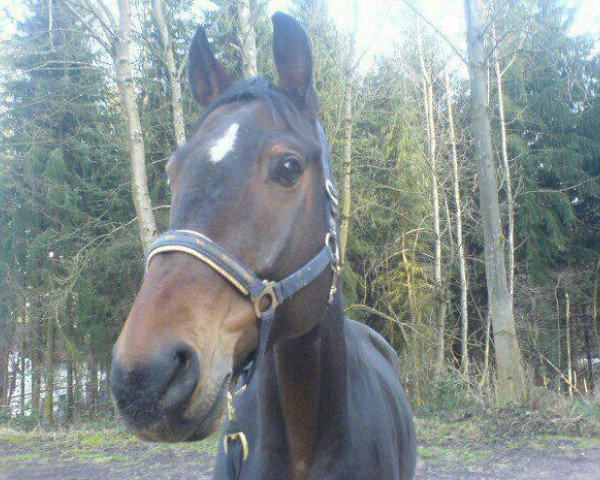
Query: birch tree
[(115, 37), (247, 37), (169, 59), (568, 339), (347, 163), (509, 364), (440, 301), (462, 262), (510, 233)]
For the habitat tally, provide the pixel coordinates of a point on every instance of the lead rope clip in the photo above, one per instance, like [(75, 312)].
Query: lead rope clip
[(236, 436)]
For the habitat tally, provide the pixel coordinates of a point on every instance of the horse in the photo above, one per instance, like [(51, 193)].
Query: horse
[(246, 284)]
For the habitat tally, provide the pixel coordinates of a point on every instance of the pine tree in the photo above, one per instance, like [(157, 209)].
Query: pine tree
[(62, 187)]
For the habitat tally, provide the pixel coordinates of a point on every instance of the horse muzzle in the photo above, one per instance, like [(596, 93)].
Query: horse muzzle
[(157, 399)]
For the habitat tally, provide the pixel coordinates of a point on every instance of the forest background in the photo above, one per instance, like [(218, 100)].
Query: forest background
[(483, 309)]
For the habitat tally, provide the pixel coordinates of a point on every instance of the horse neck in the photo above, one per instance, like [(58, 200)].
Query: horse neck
[(303, 397)]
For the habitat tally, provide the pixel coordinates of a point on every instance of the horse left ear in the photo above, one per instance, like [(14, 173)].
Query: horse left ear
[(207, 77), (293, 58)]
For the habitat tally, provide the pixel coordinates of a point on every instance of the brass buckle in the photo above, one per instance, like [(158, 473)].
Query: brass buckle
[(237, 436), (331, 241), (269, 290)]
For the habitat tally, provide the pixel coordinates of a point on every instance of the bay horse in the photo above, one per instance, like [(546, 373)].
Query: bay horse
[(320, 396)]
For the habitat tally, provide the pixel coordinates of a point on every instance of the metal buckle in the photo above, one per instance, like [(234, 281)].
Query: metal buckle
[(331, 192), (237, 436), (270, 291), (331, 241)]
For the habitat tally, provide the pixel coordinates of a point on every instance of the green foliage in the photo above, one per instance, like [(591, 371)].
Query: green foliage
[(69, 248), (550, 110)]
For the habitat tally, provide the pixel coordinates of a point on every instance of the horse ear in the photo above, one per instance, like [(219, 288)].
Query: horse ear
[(293, 59), (206, 75)]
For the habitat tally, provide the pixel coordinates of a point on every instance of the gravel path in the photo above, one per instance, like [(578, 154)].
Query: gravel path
[(102, 457)]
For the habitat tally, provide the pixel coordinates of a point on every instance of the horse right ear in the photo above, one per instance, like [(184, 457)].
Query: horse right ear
[(207, 77), (292, 55)]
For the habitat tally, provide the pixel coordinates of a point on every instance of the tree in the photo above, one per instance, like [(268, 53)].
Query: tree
[(510, 208), (173, 73), (511, 380), (432, 153), (115, 38), (347, 163), (462, 261), (247, 35), (64, 196)]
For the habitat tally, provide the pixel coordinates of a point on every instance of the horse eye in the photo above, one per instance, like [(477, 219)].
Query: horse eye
[(288, 171)]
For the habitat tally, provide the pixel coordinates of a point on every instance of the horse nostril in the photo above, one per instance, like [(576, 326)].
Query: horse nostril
[(182, 359), (184, 379)]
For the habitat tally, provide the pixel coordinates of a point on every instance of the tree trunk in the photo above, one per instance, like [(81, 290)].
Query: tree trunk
[(347, 163), (411, 374), (568, 335), (3, 379), (78, 386), (510, 209), (509, 363), (169, 58), (247, 36), (49, 370), (124, 78), (36, 380), (12, 383), (71, 312), (107, 381), (22, 385), (486, 351), (559, 339), (70, 396), (92, 386), (595, 309), (464, 285), (589, 355), (440, 301)]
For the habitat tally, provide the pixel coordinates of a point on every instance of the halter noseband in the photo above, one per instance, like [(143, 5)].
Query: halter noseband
[(256, 289), (239, 275)]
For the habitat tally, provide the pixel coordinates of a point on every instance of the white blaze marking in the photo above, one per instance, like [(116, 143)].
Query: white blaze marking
[(225, 144)]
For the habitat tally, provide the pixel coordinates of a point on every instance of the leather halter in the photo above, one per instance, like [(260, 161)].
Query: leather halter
[(255, 288), (242, 277)]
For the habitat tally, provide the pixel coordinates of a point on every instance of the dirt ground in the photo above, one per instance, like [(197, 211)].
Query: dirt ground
[(108, 455)]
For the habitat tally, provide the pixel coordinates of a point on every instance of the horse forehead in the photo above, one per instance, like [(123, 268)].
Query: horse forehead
[(224, 144), (246, 115), (227, 126)]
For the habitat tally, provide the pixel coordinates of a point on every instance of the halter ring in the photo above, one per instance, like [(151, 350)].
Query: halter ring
[(268, 291)]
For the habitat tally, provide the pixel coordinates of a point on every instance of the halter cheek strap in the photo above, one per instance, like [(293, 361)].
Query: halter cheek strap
[(266, 295)]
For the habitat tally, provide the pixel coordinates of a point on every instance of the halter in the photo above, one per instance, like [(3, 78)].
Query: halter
[(266, 295)]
